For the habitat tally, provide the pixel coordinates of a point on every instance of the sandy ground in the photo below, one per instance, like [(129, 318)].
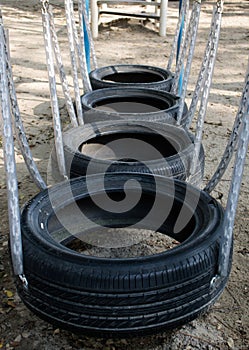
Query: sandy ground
[(226, 326)]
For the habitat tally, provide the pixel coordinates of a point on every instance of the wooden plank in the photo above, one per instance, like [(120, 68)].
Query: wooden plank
[(138, 15), (129, 2)]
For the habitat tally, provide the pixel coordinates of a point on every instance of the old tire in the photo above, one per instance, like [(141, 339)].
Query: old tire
[(131, 75), (121, 297), (131, 104), (130, 146)]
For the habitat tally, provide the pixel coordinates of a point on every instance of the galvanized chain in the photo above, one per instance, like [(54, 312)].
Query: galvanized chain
[(177, 32), (182, 51), (44, 5), (232, 142), (19, 129), (61, 70), (10, 165), (236, 180), (83, 17), (205, 92), (192, 32), (82, 37), (73, 63), (203, 70), (230, 212), (53, 94), (81, 53)]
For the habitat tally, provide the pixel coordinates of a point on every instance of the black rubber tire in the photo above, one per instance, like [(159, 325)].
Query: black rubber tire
[(132, 104), (131, 75), (121, 297), (173, 147)]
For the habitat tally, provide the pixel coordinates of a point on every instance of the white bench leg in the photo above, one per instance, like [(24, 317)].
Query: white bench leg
[(94, 18), (163, 17)]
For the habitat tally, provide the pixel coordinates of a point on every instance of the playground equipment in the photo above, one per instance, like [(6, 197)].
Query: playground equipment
[(99, 7), (118, 296)]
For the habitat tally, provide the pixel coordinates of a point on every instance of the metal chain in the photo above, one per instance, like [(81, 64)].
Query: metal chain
[(62, 74), (236, 180), (177, 32), (19, 129), (81, 53), (232, 142), (83, 10), (182, 52), (73, 63), (53, 95), (202, 73), (205, 93), (10, 165), (193, 28), (44, 5), (233, 197)]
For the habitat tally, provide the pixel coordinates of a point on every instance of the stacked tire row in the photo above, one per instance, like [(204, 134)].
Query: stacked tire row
[(105, 296), (136, 99)]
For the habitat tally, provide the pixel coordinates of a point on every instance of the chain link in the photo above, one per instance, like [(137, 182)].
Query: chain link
[(191, 40), (182, 52), (10, 165), (177, 32), (73, 63), (45, 5), (83, 11), (233, 140), (202, 73), (60, 67), (53, 95), (236, 180), (206, 89)]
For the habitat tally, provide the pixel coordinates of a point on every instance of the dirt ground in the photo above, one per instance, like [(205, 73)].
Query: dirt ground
[(226, 326)]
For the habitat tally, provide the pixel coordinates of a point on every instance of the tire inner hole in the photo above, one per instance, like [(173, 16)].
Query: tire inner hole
[(132, 104), (134, 77), (118, 235), (129, 147)]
